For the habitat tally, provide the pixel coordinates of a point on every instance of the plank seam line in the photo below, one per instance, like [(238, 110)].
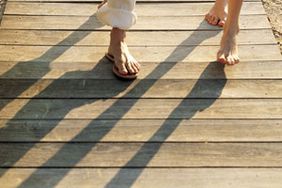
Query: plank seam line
[(149, 3), (140, 167), (67, 15), (134, 46), (182, 62), (112, 79), (139, 2), (79, 16), (140, 142), (155, 119), (135, 31), (159, 98), (143, 98), (112, 119), (173, 62), (185, 45), (145, 79), (132, 30)]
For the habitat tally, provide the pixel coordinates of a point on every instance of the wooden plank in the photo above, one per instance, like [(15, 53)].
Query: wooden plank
[(163, 88), (141, 108), (139, 1), (150, 70), (44, 37), (144, 23), (140, 131), (56, 54), (87, 9), (156, 177), (141, 154)]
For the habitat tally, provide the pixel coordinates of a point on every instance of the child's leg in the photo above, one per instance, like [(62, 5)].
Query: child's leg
[(228, 53), (218, 13), (120, 16)]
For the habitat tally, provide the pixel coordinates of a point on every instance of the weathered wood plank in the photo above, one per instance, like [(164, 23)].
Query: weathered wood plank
[(89, 70), (75, 116), (56, 54), (140, 131), (141, 108), (86, 9), (139, 1), (144, 23), (157, 178), (141, 155), (163, 88), (44, 37)]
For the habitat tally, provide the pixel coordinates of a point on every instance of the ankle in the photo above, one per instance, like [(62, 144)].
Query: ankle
[(118, 35), (231, 29)]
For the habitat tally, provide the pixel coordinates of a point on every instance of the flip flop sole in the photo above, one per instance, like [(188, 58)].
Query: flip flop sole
[(117, 73)]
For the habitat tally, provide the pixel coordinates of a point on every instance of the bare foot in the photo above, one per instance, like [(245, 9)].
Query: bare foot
[(228, 53), (218, 13), (124, 61)]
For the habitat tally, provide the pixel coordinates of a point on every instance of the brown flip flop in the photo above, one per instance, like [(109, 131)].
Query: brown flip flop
[(116, 71)]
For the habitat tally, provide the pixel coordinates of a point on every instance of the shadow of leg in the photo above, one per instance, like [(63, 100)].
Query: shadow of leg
[(164, 131), (146, 153)]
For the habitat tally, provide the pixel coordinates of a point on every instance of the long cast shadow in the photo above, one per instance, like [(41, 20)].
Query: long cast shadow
[(71, 160), (42, 66), (146, 153)]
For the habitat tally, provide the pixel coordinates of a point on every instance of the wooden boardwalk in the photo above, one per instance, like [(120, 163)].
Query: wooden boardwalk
[(187, 122)]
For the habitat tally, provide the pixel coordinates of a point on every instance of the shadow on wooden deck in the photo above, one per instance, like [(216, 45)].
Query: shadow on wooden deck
[(139, 159), (2, 8)]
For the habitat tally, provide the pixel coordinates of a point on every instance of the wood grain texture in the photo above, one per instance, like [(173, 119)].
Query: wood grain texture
[(144, 23), (141, 155), (86, 9), (140, 131), (163, 88), (150, 70), (139, 1), (57, 54), (141, 109), (151, 178), (99, 38), (184, 122)]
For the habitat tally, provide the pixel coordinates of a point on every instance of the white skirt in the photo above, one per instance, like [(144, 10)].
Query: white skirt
[(118, 13)]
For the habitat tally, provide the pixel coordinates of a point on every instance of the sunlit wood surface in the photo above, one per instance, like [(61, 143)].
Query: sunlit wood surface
[(186, 122)]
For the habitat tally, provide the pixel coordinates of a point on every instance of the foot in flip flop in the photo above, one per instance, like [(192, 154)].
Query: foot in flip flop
[(228, 53), (125, 64), (218, 13)]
